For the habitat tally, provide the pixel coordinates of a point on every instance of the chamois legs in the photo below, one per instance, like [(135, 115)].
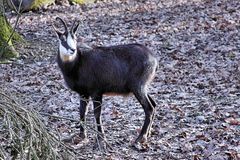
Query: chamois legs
[(97, 103), (83, 110), (153, 103), (148, 105)]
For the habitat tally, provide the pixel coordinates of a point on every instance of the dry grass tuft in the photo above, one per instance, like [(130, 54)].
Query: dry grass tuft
[(23, 134)]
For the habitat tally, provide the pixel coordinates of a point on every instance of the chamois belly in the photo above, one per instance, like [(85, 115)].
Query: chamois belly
[(91, 88), (117, 94)]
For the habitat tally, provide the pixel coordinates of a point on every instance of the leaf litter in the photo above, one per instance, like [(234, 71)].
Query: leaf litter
[(197, 86)]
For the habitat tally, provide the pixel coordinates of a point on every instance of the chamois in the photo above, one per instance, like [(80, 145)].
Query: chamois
[(114, 70)]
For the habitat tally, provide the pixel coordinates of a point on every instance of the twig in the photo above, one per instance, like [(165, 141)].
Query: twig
[(58, 117), (16, 23)]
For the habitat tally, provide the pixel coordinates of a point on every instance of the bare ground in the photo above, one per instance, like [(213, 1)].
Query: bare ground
[(197, 87)]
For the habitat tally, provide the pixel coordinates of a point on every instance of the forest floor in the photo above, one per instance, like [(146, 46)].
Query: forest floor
[(197, 86)]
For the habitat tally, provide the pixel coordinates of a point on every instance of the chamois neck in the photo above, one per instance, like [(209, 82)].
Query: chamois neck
[(67, 58), (66, 64)]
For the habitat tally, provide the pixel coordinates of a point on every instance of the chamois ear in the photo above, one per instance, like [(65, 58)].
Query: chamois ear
[(74, 27), (59, 33), (63, 22)]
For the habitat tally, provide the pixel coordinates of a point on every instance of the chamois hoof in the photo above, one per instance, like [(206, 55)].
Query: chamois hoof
[(82, 135), (101, 145), (143, 147), (83, 138), (80, 141), (140, 144)]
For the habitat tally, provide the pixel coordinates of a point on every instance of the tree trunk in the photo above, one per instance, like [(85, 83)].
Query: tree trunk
[(6, 47), (24, 5)]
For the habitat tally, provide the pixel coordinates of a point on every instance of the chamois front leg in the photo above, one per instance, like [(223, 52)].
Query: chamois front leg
[(97, 103), (83, 110)]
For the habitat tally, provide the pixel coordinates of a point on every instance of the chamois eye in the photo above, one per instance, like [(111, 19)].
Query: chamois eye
[(73, 35)]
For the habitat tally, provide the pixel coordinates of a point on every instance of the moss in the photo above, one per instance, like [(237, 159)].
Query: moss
[(6, 48), (81, 1), (39, 3), (16, 37)]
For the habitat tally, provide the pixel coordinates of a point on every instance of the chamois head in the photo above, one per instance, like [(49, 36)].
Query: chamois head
[(67, 41)]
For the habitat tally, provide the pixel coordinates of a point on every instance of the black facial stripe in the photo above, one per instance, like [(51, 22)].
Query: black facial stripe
[(65, 44), (72, 49)]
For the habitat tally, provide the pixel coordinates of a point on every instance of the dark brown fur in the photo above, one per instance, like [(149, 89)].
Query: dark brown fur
[(119, 69)]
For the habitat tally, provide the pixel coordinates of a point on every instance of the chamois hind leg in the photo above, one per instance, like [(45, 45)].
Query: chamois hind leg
[(153, 103), (83, 110), (97, 103), (148, 108)]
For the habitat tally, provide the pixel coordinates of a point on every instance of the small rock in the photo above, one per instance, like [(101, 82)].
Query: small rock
[(200, 119)]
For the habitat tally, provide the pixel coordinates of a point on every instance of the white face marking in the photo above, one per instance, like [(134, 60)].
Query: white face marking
[(66, 54), (62, 49), (71, 42)]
